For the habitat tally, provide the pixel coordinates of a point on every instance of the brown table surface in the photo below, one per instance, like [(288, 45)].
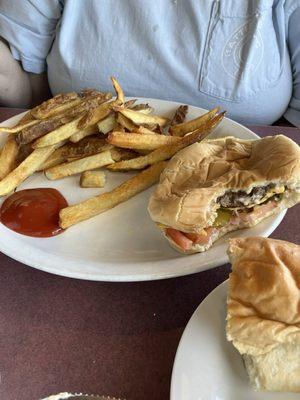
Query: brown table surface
[(60, 334)]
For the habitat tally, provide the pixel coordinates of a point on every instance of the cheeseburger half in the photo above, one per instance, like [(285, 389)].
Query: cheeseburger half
[(221, 185)]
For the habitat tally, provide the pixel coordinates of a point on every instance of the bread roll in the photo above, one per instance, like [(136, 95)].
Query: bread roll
[(263, 311)]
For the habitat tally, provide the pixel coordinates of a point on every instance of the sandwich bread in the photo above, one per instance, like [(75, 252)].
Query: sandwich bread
[(263, 311), (221, 185)]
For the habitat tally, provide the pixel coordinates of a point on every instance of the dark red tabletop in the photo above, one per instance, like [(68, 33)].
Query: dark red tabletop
[(59, 334)]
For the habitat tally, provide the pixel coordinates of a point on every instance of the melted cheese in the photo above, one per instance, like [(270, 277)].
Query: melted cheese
[(272, 192)]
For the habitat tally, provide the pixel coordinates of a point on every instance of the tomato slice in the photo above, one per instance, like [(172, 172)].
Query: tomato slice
[(249, 217), (179, 238), (202, 238), (263, 209)]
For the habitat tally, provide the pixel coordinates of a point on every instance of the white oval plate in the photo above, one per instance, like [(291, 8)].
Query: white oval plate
[(207, 366), (121, 244)]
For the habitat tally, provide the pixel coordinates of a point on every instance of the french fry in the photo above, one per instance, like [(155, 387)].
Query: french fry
[(119, 128), (167, 151), (81, 165), (107, 124), (59, 156), (24, 151), (130, 103), (119, 91), (25, 169), (34, 132), (155, 128), (94, 115), (91, 100), (126, 123), (96, 205), (99, 113), (143, 152), (190, 126), (122, 154), (56, 105), (88, 146), (8, 156), (143, 130), (59, 134), (88, 103), (179, 115), (88, 131), (70, 151), (87, 94), (54, 159), (26, 118), (143, 108), (140, 118), (138, 141), (130, 126), (18, 127), (92, 179)]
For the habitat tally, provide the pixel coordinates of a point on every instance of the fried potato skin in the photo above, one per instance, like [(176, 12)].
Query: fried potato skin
[(197, 123), (137, 141), (138, 117), (25, 169), (80, 165), (8, 156)]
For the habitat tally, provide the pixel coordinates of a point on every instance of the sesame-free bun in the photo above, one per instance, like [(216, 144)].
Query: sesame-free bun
[(186, 197), (263, 311)]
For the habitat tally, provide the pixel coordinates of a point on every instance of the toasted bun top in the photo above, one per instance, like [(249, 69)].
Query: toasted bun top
[(195, 177), (264, 294)]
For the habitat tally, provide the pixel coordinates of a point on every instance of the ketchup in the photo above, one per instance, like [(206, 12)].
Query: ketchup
[(33, 212)]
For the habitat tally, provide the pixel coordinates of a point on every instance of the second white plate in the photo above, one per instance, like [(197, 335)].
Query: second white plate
[(207, 366)]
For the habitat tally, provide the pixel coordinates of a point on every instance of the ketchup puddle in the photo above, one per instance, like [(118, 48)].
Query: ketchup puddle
[(33, 212)]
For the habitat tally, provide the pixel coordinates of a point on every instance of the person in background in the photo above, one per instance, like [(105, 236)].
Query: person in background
[(243, 56)]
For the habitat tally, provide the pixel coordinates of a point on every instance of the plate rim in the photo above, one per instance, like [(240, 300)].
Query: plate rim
[(136, 277), (185, 332)]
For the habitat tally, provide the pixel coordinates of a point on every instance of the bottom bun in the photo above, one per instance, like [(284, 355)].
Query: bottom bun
[(276, 370)]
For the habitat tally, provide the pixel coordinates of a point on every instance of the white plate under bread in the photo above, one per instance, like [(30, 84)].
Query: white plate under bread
[(207, 366)]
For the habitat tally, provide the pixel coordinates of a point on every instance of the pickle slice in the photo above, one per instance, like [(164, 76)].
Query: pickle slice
[(223, 217)]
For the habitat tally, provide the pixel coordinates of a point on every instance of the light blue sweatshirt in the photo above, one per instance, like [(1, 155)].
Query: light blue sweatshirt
[(243, 55)]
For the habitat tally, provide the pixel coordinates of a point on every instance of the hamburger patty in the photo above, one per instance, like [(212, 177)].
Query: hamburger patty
[(242, 198)]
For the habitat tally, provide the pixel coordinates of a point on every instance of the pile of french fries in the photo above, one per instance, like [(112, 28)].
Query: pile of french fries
[(84, 133)]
